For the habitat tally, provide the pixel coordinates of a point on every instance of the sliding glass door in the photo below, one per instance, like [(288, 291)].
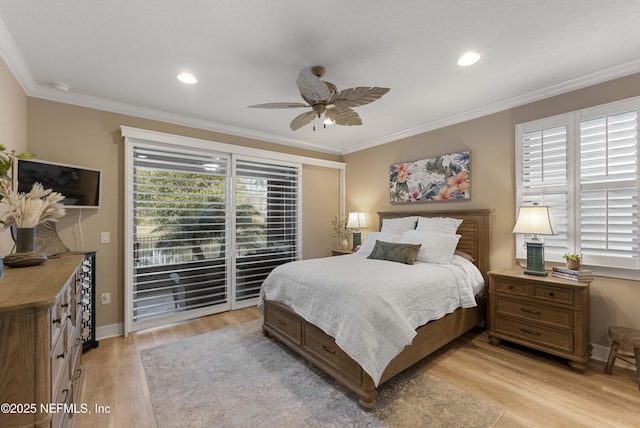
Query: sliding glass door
[(206, 229)]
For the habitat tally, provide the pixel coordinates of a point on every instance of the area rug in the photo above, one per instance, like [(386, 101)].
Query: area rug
[(237, 377)]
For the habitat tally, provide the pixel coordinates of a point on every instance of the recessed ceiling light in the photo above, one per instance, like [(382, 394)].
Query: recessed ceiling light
[(187, 78), (468, 58), (61, 86)]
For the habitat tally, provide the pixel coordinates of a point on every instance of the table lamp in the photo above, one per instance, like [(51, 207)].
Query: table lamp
[(356, 221), (535, 220)]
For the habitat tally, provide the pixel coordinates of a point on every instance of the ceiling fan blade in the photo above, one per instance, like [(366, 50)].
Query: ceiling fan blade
[(302, 120), (280, 105), (354, 97), (312, 88), (341, 115)]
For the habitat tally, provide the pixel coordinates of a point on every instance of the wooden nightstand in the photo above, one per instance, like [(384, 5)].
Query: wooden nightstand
[(340, 252), (546, 313)]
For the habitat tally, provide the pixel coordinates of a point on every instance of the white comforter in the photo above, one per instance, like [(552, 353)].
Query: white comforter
[(372, 307)]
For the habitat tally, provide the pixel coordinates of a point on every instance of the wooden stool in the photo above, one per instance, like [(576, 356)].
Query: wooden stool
[(626, 336)]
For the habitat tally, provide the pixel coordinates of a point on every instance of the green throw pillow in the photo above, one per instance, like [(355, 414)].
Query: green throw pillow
[(402, 253)]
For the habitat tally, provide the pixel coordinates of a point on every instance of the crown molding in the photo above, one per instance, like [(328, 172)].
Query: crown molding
[(581, 82)]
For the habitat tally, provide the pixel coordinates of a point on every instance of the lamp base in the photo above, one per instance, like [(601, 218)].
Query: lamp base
[(356, 240), (535, 259), (535, 272)]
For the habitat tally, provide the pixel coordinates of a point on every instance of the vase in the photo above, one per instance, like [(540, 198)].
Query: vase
[(25, 255), (344, 244)]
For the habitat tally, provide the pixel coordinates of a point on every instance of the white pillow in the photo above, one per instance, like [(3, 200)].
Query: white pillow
[(437, 247), (371, 238), (439, 224), (398, 225)]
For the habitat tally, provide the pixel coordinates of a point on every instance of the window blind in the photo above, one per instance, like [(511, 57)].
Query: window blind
[(609, 189), (180, 224), (544, 180), (267, 213)]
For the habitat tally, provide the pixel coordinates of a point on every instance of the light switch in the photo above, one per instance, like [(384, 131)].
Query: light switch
[(105, 237)]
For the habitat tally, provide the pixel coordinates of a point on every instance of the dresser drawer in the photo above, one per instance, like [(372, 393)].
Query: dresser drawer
[(511, 287), (290, 326), (530, 311), (553, 294), (534, 333), (325, 347), (58, 365)]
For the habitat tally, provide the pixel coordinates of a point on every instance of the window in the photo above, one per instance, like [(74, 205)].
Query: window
[(584, 165)]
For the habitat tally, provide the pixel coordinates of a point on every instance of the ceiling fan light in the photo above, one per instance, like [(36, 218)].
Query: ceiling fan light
[(468, 58), (328, 121)]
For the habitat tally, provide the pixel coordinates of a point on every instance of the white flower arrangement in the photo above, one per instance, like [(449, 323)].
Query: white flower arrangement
[(28, 210)]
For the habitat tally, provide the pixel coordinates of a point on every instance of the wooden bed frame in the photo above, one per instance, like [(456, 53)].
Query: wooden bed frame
[(320, 349)]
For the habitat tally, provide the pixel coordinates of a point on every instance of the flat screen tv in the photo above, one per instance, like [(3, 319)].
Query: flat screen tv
[(80, 186)]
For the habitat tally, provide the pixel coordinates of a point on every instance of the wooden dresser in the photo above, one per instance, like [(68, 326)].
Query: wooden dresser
[(41, 343), (542, 312)]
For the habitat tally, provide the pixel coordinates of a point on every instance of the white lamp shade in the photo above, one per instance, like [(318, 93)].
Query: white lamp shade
[(356, 220), (535, 220)]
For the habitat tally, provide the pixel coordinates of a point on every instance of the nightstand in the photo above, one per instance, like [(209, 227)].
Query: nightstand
[(340, 252), (546, 313)]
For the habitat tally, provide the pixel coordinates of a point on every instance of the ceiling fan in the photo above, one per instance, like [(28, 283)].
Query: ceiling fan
[(324, 98)]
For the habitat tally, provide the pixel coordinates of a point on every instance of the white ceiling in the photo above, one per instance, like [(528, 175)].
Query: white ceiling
[(124, 56)]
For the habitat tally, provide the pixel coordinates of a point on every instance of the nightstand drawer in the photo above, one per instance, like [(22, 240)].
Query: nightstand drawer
[(511, 288), (550, 316), (534, 333), (553, 294)]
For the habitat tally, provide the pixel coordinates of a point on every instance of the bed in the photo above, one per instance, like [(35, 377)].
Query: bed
[(311, 342)]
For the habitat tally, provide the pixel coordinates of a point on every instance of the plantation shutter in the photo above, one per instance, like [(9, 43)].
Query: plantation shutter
[(544, 182), (266, 222), (609, 189), (180, 241)]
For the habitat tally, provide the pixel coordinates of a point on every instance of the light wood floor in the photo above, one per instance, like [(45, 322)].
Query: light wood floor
[(534, 389)]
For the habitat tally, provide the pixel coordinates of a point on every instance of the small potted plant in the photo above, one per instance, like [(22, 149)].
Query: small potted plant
[(572, 261)]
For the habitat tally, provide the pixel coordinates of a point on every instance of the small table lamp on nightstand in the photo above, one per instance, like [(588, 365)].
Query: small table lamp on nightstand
[(356, 221), (535, 220)]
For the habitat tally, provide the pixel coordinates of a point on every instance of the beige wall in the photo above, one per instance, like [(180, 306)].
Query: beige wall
[(13, 127), (87, 137), (491, 140)]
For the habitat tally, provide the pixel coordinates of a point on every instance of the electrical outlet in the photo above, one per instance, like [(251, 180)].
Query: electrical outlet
[(105, 298), (105, 237)]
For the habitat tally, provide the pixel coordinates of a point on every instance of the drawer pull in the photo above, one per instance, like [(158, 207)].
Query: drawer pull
[(535, 333), (551, 294), (64, 305), (60, 355), (329, 350), (56, 321), (529, 311), (511, 287), (282, 323)]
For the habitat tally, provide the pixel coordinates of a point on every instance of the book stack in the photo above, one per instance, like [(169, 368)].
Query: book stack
[(582, 275)]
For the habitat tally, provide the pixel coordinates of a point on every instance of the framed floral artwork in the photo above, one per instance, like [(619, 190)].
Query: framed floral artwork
[(440, 178)]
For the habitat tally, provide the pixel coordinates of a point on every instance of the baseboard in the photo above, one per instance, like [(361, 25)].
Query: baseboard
[(111, 330)]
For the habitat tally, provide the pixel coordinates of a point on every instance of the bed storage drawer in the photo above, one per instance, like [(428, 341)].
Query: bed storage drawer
[(285, 323), (317, 342)]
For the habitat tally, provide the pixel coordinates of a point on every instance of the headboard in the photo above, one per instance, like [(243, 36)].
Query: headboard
[(475, 230)]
